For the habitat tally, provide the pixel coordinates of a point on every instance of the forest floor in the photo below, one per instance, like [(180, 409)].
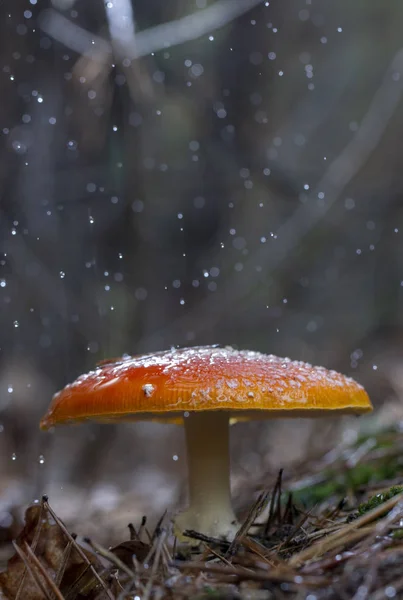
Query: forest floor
[(331, 529)]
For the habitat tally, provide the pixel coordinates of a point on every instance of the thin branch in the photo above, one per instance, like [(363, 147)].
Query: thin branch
[(32, 572), (151, 40), (34, 545), (35, 560), (250, 518), (79, 550), (245, 574), (154, 568), (111, 557)]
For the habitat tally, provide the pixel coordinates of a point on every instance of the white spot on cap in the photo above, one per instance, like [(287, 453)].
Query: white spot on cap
[(148, 389)]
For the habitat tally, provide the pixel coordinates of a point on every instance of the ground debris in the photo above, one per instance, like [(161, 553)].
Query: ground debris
[(44, 556), (295, 542)]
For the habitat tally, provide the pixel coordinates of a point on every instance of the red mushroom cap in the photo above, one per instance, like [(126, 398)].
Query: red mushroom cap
[(164, 385)]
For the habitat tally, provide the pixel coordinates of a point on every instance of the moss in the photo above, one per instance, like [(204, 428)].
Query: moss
[(382, 439), (339, 484), (397, 534), (318, 493), (209, 592), (379, 499), (371, 473)]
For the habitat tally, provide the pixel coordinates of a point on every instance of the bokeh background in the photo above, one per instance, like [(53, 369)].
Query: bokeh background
[(183, 173)]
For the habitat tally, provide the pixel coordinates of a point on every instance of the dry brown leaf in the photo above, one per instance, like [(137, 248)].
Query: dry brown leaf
[(126, 550), (50, 547)]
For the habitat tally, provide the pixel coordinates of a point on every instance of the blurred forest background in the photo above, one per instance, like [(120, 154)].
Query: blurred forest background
[(192, 172)]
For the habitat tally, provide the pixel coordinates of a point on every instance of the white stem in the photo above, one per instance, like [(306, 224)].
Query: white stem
[(210, 510)]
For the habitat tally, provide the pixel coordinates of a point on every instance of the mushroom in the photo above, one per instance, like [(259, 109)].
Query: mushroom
[(204, 388)]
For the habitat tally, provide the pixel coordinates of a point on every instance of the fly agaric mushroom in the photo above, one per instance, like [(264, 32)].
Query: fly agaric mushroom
[(203, 388)]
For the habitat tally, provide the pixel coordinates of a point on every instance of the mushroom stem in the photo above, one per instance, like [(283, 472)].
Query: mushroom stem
[(210, 510)]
